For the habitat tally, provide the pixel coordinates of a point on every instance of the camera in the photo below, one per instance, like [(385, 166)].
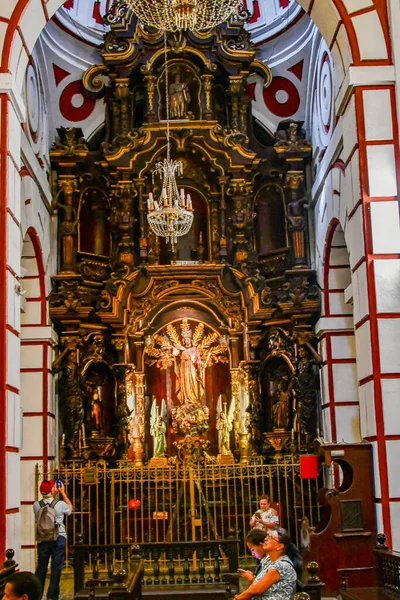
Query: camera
[(58, 483)]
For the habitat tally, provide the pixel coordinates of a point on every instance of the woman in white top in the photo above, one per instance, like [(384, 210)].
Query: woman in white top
[(266, 517), (278, 581)]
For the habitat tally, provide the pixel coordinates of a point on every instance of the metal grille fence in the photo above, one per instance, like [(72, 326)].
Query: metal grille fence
[(120, 504)]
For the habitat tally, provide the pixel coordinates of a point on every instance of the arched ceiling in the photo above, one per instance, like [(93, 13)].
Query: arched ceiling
[(284, 35)]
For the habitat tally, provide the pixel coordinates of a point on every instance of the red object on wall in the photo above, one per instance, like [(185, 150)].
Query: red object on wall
[(308, 467), (133, 504)]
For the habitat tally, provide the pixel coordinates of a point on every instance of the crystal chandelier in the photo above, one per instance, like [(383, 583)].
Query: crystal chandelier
[(172, 216), (177, 15)]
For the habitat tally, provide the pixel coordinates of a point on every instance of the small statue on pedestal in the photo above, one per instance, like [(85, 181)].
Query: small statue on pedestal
[(158, 429), (281, 406), (96, 414), (224, 427)]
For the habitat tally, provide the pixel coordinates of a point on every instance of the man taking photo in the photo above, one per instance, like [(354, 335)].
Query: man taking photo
[(51, 535)]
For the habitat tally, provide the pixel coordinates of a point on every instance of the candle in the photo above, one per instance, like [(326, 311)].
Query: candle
[(292, 434)]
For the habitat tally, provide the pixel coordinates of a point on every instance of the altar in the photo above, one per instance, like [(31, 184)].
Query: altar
[(195, 348)]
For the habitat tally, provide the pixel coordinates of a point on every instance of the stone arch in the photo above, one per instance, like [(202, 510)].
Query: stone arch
[(33, 280), (340, 405), (36, 394)]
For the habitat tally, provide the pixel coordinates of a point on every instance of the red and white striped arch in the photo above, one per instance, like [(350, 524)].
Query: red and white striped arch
[(357, 34)]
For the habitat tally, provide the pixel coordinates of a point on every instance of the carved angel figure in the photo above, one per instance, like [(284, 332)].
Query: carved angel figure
[(158, 428), (224, 426)]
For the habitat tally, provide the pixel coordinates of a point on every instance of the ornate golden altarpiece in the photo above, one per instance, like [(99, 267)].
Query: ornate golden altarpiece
[(224, 321)]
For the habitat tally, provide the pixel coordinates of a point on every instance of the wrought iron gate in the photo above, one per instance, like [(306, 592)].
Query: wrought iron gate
[(119, 503)]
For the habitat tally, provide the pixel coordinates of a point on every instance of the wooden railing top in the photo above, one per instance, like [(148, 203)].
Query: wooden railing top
[(8, 568), (105, 547)]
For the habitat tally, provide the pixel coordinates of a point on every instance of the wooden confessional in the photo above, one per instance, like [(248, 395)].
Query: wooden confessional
[(344, 539)]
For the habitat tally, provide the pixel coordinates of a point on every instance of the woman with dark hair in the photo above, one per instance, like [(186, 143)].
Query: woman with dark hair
[(255, 543), (278, 581)]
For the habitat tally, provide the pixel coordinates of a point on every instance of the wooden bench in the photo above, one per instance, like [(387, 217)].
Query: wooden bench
[(199, 575), (388, 571)]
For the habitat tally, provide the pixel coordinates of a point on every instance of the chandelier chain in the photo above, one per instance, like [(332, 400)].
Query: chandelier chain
[(166, 92), (172, 215)]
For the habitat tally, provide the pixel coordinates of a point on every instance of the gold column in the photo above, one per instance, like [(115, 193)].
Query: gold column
[(235, 385), (207, 87), (142, 219), (136, 449)]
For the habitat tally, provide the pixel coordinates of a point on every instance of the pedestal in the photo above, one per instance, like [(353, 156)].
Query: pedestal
[(278, 440), (225, 459), (158, 461)]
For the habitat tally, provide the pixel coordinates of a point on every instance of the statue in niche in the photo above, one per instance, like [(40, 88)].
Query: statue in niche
[(158, 428), (179, 98), (189, 352), (188, 370), (281, 403), (306, 386), (297, 224), (96, 413), (73, 411)]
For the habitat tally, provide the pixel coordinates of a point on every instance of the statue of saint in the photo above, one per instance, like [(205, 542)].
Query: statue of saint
[(121, 421), (297, 225), (179, 98), (72, 404), (306, 386), (190, 386), (281, 406), (224, 428), (158, 428), (96, 416)]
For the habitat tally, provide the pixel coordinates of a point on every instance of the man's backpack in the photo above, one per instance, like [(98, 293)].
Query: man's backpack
[(47, 529)]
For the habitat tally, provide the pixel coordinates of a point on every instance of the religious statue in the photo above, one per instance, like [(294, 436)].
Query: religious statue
[(297, 225), (158, 428), (255, 411), (179, 98), (96, 413), (121, 421), (190, 385), (306, 386), (224, 426), (68, 224), (70, 391), (189, 353), (281, 405)]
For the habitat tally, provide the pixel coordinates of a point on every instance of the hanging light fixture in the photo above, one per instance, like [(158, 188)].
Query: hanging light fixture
[(178, 15), (172, 215)]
